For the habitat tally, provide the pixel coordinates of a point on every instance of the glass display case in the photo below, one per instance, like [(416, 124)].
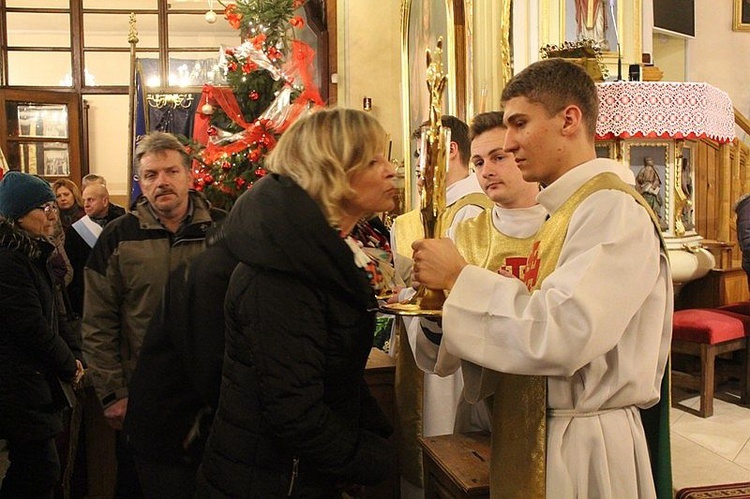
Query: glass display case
[(42, 133)]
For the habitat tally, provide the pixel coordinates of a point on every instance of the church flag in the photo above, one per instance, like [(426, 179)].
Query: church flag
[(140, 127)]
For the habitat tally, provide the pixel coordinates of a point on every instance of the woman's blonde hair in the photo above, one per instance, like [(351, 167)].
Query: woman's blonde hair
[(321, 151), (71, 186)]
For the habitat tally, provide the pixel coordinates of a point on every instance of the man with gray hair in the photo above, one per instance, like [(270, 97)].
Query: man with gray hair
[(127, 272)]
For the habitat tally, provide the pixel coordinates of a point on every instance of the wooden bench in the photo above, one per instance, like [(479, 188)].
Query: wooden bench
[(707, 333), (457, 466)]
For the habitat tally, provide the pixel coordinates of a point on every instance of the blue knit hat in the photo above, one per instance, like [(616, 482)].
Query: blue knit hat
[(20, 193)]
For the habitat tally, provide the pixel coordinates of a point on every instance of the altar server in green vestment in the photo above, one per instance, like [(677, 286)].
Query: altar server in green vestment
[(583, 340)]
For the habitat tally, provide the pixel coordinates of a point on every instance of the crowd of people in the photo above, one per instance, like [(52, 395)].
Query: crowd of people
[(227, 350)]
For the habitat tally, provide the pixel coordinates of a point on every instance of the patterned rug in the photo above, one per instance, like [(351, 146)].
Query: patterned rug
[(730, 490)]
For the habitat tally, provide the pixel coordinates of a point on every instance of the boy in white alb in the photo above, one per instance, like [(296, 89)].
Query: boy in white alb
[(583, 341)]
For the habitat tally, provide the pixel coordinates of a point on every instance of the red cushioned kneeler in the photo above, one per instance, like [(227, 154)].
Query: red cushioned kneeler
[(741, 307), (706, 333)]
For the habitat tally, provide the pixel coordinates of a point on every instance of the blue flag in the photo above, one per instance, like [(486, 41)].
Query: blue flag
[(140, 127)]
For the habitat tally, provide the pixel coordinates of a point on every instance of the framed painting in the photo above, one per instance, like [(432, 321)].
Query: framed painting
[(649, 163), (56, 160), (741, 19)]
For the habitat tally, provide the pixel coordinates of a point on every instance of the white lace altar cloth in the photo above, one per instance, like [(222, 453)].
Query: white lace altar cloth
[(656, 109)]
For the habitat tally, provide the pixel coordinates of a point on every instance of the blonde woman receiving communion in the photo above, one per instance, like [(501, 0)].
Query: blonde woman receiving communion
[(295, 417)]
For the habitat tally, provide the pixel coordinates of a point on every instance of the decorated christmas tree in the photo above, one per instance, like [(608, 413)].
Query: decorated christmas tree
[(270, 83)]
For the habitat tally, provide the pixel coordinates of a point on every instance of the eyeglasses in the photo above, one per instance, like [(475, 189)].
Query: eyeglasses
[(48, 208)]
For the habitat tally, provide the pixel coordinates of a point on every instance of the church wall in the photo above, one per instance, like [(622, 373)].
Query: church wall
[(108, 141), (669, 56), (718, 55), (369, 61)]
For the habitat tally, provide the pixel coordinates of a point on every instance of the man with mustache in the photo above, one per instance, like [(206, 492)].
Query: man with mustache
[(127, 272)]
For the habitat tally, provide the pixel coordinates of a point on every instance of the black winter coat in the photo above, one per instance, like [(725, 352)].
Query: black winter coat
[(78, 252), (294, 411), (33, 355), (175, 386), (743, 230)]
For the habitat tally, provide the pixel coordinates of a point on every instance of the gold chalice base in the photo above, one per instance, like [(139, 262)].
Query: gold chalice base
[(409, 309)]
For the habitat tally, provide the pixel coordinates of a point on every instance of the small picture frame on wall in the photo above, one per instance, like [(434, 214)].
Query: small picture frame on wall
[(604, 150), (741, 20), (648, 162), (56, 162)]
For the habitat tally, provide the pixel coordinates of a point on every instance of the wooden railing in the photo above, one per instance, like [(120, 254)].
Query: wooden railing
[(722, 175)]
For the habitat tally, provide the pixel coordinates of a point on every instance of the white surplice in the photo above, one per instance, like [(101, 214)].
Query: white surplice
[(599, 328), (441, 394)]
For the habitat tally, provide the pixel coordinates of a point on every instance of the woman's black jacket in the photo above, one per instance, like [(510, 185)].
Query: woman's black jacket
[(33, 354), (300, 321)]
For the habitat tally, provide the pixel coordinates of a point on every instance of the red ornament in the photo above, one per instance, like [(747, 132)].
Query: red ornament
[(273, 54), (260, 172), (208, 179), (254, 155), (249, 67), (231, 15), (211, 131), (254, 95), (258, 41), (239, 182), (297, 22), (226, 165)]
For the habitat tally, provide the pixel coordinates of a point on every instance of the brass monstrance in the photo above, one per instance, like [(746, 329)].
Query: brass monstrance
[(432, 167)]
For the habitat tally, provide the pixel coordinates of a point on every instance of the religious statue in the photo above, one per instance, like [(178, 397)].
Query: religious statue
[(687, 188), (682, 201), (648, 184), (591, 21), (432, 158)]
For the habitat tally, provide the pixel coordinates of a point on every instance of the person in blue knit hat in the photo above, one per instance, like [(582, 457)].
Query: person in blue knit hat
[(35, 348)]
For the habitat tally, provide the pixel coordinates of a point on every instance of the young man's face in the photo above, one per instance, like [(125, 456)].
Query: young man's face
[(535, 139), (497, 172)]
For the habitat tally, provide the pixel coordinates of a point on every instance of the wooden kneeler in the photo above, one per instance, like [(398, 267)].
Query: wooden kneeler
[(457, 466), (706, 333)]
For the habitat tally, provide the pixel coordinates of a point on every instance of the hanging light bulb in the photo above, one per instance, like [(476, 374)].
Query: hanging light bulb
[(210, 15)]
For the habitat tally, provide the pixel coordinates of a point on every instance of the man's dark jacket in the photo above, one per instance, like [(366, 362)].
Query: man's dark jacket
[(78, 252), (176, 383), (742, 209)]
